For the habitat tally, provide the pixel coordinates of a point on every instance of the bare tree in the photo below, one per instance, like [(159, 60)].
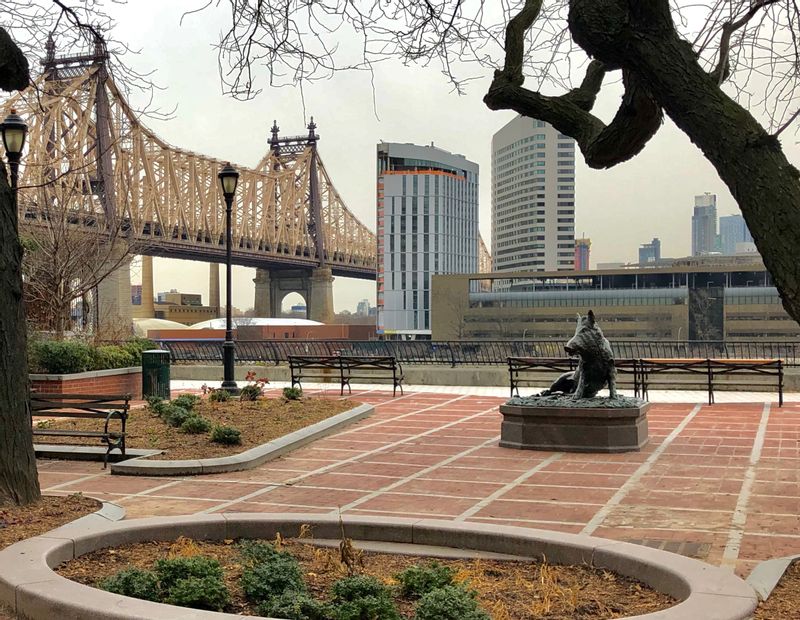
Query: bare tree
[(18, 481), (710, 65)]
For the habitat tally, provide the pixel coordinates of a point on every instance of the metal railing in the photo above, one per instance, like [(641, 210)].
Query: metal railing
[(474, 352)]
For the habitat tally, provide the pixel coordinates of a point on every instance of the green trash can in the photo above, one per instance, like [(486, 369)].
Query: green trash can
[(155, 374)]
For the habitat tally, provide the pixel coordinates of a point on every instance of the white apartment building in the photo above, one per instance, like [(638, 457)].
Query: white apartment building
[(533, 197), (427, 206)]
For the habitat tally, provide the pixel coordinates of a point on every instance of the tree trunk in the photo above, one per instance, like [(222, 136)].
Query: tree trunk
[(19, 483), (749, 160)]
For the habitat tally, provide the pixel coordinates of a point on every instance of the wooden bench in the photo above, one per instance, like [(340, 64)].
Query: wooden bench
[(520, 366), (83, 406), (345, 368), (702, 372), (365, 367)]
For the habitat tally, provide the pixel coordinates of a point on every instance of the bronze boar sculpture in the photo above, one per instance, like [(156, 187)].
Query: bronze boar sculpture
[(595, 366)]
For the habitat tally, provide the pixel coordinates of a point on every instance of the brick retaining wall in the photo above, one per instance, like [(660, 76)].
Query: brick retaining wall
[(114, 381)]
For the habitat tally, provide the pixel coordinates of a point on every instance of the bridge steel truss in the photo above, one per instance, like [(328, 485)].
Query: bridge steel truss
[(89, 153)]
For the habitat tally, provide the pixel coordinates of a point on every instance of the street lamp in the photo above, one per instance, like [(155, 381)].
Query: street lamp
[(228, 178), (14, 131)]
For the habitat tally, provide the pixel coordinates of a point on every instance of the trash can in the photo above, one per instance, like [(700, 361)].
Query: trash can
[(155, 374)]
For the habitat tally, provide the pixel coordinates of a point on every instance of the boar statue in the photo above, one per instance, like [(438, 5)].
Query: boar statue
[(595, 366)]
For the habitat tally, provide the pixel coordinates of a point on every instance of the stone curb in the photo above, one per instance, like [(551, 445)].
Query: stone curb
[(244, 460), (36, 592), (766, 575)]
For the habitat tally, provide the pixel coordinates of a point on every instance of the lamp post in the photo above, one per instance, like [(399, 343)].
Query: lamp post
[(228, 178), (14, 131)]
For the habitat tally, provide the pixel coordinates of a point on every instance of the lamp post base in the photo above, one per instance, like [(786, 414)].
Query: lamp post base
[(228, 359), (230, 387)]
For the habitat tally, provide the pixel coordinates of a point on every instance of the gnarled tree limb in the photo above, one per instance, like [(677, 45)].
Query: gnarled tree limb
[(13, 65)]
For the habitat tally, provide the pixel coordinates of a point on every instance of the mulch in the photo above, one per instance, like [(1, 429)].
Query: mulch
[(507, 590), (21, 522), (784, 602), (259, 422)]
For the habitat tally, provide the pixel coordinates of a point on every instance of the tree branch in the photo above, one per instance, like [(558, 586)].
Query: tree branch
[(13, 65), (722, 70)]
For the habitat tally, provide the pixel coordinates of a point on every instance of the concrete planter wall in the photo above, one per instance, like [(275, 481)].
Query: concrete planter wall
[(29, 585), (113, 381)]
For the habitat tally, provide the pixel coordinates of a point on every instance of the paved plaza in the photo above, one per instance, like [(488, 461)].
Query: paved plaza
[(720, 483)]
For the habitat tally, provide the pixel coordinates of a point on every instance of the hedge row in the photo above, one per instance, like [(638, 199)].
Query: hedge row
[(68, 356)]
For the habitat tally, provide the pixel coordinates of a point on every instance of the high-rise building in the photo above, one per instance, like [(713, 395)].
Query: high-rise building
[(704, 225), (362, 309), (533, 197), (650, 252), (427, 224), (583, 248), (733, 230)]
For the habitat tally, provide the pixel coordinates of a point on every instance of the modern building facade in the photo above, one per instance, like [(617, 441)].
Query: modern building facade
[(583, 249), (533, 197), (650, 252), (733, 231), (427, 208), (705, 298), (704, 225)]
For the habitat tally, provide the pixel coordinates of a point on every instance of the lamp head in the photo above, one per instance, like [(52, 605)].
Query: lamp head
[(14, 131), (228, 178)]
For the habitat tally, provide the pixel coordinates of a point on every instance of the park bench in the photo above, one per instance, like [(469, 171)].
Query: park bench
[(82, 406), (701, 373), (526, 371), (368, 367), (345, 368)]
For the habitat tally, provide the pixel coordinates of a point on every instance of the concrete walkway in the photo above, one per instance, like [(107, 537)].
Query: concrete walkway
[(720, 483)]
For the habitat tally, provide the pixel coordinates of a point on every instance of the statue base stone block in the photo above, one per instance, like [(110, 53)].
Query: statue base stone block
[(563, 424)]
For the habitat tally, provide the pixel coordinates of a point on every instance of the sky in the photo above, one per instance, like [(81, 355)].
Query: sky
[(619, 209)]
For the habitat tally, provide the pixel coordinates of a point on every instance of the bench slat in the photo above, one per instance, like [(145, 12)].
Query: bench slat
[(68, 433)]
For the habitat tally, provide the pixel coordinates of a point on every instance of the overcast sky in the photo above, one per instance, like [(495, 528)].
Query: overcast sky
[(650, 196)]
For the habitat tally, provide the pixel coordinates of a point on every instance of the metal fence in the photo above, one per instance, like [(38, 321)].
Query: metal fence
[(476, 352)]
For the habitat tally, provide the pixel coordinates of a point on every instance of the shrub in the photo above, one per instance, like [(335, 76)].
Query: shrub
[(450, 603), (63, 356), (363, 598), (199, 593), (418, 580), (172, 570), (154, 401), (292, 393), (112, 356), (295, 606), (187, 401), (135, 347), (133, 582), (256, 552), (252, 391), (272, 577), (226, 435), (195, 424), (220, 396), (175, 415), (160, 408)]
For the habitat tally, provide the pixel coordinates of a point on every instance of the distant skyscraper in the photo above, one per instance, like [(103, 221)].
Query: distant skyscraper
[(704, 225), (427, 224), (583, 249), (362, 309), (533, 197), (650, 252), (733, 230)]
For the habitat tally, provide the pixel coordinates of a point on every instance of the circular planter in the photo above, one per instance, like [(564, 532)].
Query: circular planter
[(29, 585)]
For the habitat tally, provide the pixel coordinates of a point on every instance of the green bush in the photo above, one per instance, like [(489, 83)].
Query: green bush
[(135, 347), (133, 582), (362, 598), (175, 415), (256, 552), (160, 408), (112, 356), (418, 580), (252, 391), (220, 396), (292, 393), (295, 606), (63, 356), (154, 401), (450, 603), (195, 424), (187, 401), (226, 435), (199, 593), (172, 570), (272, 577)]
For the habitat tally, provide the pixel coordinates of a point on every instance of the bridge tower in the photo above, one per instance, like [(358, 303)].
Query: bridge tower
[(315, 285)]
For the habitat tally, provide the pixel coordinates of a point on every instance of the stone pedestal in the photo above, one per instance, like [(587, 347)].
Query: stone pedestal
[(557, 427)]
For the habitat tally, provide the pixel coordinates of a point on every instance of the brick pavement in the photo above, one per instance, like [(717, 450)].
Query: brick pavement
[(721, 480)]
